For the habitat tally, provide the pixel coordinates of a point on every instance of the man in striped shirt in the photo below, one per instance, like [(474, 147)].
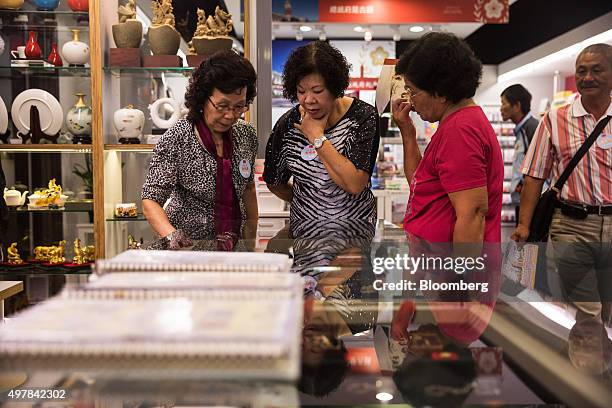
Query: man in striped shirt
[(581, 230)]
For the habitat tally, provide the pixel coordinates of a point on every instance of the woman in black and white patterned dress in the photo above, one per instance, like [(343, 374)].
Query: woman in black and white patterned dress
[(204, 163), (328, 143)]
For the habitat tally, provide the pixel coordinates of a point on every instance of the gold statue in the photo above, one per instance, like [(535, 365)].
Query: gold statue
[(82, 255), (201, 28), (163, 13), (127, 12), (13, 255), (51, 254), (132, 243)]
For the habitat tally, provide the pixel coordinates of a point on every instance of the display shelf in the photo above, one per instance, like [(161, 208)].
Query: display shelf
[(140, 217), (274, 214), (41, 270), (143, 148), (75, 14), (71, 206), (46, 148), (45, 71), (168, 71)]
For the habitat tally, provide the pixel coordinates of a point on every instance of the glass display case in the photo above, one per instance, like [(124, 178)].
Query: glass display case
[(143, 95), (46, 138)]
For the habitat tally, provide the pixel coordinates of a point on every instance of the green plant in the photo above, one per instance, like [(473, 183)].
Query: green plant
[(85, 173)]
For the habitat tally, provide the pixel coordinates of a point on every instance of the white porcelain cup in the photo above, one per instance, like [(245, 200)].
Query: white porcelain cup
[(19, 52)]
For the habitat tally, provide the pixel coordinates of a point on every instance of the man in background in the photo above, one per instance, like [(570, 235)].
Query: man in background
[(581, 228), (516, 106)]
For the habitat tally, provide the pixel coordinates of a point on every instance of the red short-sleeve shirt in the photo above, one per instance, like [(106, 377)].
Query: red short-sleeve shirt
[(464, 153)]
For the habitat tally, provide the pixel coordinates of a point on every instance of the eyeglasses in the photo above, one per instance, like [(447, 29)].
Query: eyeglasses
[(239, 110), (410, 93)]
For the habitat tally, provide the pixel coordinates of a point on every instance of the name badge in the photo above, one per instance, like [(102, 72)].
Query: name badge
[(309, 153), (604, 141), (245, 168)]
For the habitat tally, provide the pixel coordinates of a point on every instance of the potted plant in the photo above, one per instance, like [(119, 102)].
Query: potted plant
[(85, 173)]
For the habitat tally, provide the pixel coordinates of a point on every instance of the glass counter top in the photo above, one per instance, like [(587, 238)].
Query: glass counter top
[(361, 345)]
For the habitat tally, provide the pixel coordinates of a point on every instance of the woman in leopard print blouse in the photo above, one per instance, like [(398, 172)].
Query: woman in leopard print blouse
[(204, 163)]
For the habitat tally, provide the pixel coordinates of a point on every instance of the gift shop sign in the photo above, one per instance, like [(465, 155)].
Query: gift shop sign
[(413, 11)]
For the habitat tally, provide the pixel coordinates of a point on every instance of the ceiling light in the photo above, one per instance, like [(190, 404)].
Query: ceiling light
[(384, 396), (396, 35), (367, 36), (568, 52), (416, 29), (305, 28), (359, 29)]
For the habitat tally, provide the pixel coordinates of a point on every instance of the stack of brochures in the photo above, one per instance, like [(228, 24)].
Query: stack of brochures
[(206, 324)]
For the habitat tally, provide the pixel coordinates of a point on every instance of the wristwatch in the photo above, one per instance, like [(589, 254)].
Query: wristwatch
[(318, 142)]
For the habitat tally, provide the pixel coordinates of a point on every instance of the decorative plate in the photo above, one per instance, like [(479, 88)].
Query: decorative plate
[(49, 108), (3, 117)]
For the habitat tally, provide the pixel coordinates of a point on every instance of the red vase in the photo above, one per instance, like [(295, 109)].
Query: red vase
[(32, 50), (54, 56), (79, 5)]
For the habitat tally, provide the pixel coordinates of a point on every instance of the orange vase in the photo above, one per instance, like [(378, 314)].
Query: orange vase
[(32, 50)]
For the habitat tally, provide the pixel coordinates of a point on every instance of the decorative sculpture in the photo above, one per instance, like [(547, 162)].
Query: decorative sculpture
[(51, 254), (128, 32), (82, 255), (132, 243), (211, 33), (163, 37), (127, 11), (13, 255)]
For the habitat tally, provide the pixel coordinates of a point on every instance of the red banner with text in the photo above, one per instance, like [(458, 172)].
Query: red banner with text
[(413, 11)]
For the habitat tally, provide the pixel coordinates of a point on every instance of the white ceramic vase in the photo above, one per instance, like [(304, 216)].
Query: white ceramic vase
[(78, 118), (129, 123), (75, 52)]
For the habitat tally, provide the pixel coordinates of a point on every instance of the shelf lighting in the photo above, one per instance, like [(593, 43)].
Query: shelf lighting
[(359, 29), (567, 52), (367, 36), (384, 396), (416, 29), (305, 28)]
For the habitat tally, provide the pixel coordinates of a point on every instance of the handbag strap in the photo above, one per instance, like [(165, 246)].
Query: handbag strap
[(580, 153)]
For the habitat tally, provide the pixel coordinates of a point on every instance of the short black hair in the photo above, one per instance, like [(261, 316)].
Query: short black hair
[(317, 57), (517, 93), (223, 70), (442, 65)]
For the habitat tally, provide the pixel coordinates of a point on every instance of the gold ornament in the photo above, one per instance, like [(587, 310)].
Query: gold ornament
[(13, 255)]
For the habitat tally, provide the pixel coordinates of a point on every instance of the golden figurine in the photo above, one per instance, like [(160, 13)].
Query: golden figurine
[(13, 255), (82, 255), (132, 243), (51, 254)]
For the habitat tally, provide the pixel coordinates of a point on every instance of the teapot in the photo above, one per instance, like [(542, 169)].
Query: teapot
[(14, 198)]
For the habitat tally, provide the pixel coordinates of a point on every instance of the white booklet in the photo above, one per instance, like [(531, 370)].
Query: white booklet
[(194, 285), (202, 338), (147, 261)]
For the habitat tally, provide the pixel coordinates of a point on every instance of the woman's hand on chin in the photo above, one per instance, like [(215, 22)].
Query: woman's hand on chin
[(312, 128)]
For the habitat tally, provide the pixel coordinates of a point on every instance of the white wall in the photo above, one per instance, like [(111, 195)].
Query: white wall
[(489, 91)]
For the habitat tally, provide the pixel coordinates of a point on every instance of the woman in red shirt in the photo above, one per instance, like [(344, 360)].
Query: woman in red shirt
[(456, 186)]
